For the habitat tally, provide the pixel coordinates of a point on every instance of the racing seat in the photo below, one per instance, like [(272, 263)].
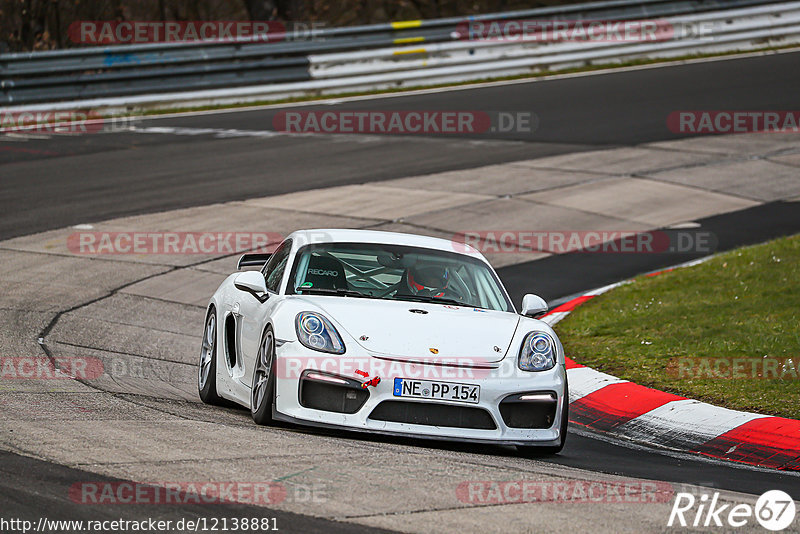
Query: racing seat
[(402, 286), (326, 272)]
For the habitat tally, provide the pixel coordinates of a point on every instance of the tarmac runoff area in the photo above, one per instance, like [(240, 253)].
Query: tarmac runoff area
[(141, 315)]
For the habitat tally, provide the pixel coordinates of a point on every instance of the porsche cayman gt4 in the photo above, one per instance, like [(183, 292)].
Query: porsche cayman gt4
[(385, 333)]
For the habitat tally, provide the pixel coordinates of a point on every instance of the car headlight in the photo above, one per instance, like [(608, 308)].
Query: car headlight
[(316, 332), (538, 352)]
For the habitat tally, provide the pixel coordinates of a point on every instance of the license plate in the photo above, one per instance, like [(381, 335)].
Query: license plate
[(426, 389)]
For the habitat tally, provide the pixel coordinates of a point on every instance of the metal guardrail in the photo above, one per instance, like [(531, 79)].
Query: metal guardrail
[(730, 26), (378, 55)]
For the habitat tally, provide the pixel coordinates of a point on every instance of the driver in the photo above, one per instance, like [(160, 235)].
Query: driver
[(427, 280)]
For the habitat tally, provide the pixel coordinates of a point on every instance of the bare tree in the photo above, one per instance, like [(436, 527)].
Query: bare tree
[(261, 9)]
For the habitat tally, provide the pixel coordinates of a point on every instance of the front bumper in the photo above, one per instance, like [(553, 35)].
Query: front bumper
[(497, 383)]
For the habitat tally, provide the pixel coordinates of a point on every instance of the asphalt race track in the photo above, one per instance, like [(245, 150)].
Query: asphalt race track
[(51, 182), (31, 488)]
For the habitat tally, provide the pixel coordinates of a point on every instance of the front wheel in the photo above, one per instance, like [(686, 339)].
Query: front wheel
[(533, 450), (207, 369), (262, 392)]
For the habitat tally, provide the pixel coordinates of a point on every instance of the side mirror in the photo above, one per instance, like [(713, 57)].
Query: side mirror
[(253, 282), (533, 305)]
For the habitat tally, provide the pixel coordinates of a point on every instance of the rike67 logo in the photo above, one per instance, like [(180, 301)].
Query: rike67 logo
[(774, 510)]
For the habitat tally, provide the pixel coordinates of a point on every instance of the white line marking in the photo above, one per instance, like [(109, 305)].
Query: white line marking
[(17, 136)]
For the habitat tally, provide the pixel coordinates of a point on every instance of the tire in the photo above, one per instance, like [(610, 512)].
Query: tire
[(533, 450), (262, 392), (207, 369)]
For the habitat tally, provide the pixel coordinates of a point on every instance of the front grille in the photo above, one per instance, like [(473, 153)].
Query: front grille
[(332, 397), (517, 413), (428, 413)]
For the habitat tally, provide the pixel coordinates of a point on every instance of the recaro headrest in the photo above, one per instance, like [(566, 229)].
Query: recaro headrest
[(326, 272)]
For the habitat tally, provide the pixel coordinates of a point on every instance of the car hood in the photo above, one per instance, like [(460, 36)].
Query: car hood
[(432, 332)]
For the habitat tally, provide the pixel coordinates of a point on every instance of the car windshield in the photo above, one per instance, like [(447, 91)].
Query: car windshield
[(395, 272)]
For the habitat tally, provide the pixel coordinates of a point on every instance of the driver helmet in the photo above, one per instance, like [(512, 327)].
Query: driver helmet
[(428, 280)]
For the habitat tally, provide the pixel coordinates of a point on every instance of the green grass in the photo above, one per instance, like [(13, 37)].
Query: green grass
[(741, 304), (535, 74)]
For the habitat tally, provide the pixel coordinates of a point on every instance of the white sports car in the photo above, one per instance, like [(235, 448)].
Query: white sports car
[(385, 333)]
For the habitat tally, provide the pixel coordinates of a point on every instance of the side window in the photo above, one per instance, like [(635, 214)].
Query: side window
[(273, 270)]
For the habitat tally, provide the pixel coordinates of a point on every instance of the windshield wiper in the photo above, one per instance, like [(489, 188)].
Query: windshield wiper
[(328, 291), (433, 300)]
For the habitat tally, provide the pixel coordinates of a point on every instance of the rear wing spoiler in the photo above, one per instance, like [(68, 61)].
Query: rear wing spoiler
[(252, 260)]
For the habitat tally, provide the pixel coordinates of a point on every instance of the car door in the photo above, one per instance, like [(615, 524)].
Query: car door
[(255, 314)]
